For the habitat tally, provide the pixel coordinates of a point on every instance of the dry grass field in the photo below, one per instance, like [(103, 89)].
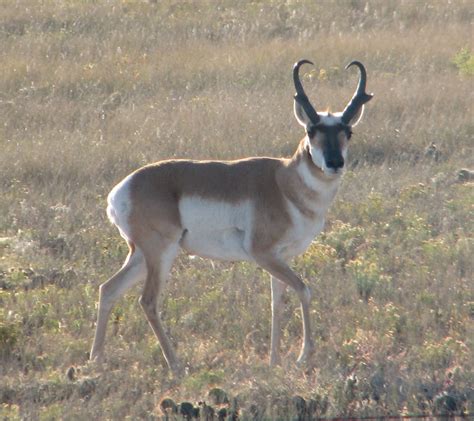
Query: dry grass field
[(91, 90)]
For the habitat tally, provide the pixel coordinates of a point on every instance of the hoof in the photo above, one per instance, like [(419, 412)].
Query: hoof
[(305, 356), (275, 360), (97, 358), (177, 370)]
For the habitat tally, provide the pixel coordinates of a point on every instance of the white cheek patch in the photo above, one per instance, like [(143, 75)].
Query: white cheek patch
[(344, 153), (316, 155)]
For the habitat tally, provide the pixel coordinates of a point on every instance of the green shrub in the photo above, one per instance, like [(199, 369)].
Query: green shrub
[(9, 335), (464, 61), (367, 275), (205, 378)]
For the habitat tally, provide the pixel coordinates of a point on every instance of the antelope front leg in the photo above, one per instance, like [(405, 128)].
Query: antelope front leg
[(278, 289), (308, 345), (280, 270)]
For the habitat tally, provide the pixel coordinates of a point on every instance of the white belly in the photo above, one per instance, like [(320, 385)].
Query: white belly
[(215, 229)]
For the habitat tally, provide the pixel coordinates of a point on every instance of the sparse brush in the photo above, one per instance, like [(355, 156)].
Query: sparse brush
[(89, 91)]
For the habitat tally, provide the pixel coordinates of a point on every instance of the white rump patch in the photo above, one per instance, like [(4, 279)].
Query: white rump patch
[(120, 206)]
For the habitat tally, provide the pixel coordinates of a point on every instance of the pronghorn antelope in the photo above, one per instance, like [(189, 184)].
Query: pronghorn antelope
[(265, 210)]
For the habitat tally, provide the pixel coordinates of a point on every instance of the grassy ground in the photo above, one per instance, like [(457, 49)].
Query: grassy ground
[(90, 90)]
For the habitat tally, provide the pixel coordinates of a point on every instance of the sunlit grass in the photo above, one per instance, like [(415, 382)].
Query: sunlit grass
[(92, 90)]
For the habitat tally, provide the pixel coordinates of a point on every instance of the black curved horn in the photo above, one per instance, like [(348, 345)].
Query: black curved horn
[(360, 96), (300, 96)]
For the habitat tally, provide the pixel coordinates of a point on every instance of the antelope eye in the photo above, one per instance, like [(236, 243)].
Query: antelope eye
[(348, 132), (311, 131)]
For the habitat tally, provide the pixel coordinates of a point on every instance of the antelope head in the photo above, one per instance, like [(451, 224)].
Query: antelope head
[(327, 135)]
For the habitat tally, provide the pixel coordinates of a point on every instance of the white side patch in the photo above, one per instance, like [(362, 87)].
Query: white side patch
[(120, 206), (216, 229)]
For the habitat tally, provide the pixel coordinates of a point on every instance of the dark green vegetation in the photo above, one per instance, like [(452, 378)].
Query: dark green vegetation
[(90, 90)]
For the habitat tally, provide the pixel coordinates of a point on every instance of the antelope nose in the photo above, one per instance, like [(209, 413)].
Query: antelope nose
[(336, 162)]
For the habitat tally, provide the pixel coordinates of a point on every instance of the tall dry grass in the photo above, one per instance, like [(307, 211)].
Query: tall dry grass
[(91, 90)]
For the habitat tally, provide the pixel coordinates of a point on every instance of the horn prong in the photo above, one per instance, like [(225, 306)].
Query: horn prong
[(301, 96), (360, 97)]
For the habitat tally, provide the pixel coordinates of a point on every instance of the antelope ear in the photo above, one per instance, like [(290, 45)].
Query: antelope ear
[(300, 114)]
